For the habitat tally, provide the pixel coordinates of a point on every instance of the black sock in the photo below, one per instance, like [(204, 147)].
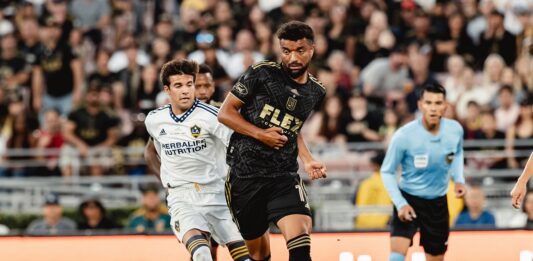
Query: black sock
[(299, 248), (238, 251), (196, 242)]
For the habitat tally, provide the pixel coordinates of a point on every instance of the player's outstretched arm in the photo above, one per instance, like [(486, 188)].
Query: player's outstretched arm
[(519, 190), (314, 169), (229, 115), (153, 162)]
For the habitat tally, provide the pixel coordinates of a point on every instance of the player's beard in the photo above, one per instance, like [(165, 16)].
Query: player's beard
[(295, 74)]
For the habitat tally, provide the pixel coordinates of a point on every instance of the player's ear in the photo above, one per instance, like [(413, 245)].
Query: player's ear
[(166, 88)]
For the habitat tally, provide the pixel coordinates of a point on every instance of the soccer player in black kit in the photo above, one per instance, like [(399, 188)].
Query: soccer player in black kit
[(267, 108)]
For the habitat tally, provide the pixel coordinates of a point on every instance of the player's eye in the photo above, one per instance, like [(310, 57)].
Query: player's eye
[(286, 51)]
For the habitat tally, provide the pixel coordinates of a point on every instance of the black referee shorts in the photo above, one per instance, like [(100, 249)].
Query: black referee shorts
[(433, 220), (255, 202)]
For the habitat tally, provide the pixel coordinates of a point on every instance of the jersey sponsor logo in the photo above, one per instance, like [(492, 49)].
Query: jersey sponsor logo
[(450, 157), (275, 117), (185, 147), (195, 131), (291, 104), (241, 89), (162, 132), (421, 161)]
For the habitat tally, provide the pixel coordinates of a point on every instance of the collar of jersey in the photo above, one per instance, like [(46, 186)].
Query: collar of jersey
[(184, 115)]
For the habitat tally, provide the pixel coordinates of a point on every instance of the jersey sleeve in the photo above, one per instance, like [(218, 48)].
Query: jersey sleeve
[(247, 84), (148, 122), (392, 159), (456, 170)]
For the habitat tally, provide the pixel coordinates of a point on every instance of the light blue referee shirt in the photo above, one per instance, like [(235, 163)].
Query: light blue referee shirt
[(426, 160)]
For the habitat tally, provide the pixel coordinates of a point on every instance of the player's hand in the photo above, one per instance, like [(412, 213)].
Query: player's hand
[(315, 170), (460, 190), (407, 213), (273, 137), (518, 193)]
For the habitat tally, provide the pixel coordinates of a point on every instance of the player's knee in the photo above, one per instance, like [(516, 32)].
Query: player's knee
[(299, 248), (238, 251), (198, 246), (202, 254), (394, 256)]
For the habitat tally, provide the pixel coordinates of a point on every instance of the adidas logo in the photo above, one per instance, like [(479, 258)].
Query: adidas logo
[(163, 132)]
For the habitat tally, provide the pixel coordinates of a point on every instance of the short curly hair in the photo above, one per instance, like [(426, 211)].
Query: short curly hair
[(178, 67), (295, 30)]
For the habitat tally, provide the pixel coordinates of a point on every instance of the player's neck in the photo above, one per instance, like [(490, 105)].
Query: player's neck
[(176, 109), (432, 128), (302, 79)]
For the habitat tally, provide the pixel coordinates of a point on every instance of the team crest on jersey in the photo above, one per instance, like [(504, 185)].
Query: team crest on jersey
[(291, 104), (195, 131), (177, 226), (240, 88), (450, 157)]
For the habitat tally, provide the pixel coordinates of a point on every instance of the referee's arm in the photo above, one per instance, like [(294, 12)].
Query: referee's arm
[(388, 171)]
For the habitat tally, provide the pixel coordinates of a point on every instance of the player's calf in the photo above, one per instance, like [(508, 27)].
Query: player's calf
[(238, 251), (198, 246), (299, 248)]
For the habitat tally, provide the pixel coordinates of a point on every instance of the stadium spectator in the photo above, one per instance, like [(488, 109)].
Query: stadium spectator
[(14, 71), (475, 215), (489, 131), (152, 216), (325, 125), (57, 72), (452, 82), (371, 192), (20, 127), (386, 76), (496, 39), (508, 110), (102, 76), (472, 121), (50, 136), (93, 214), (148, 89), (419, 73), (52, 223), (521, 129), (90, 132), (455, 41), (391, 123), (362, 123)]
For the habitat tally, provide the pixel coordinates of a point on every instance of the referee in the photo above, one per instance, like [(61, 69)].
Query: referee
[(427, 149)]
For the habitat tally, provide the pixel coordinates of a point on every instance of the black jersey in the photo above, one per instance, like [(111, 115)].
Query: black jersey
[(271, 99)]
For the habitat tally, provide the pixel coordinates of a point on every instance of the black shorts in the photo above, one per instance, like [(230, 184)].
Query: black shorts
[(255, 202), (433, 220)]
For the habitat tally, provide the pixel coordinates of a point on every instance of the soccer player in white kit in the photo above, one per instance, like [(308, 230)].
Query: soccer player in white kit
[(192, 144)]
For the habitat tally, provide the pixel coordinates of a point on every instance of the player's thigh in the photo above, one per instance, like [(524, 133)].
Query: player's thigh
[(435, 227), (402, 229), (185, 216), (294, 225), (246, 199), (223, 228), (287, 197)]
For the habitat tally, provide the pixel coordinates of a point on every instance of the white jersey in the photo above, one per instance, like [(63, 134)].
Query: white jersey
[(192, 146)]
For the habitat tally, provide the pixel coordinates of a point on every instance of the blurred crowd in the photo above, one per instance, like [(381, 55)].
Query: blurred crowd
[(77, 77)]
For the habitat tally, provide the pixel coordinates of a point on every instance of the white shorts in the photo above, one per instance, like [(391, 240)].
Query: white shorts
[(205, 211)]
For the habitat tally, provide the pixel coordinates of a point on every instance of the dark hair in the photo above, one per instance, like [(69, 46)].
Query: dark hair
[(178, 67), (96, 202), (378, 158), (294, 31), (507, 88), (433, 88), (204, 68)]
